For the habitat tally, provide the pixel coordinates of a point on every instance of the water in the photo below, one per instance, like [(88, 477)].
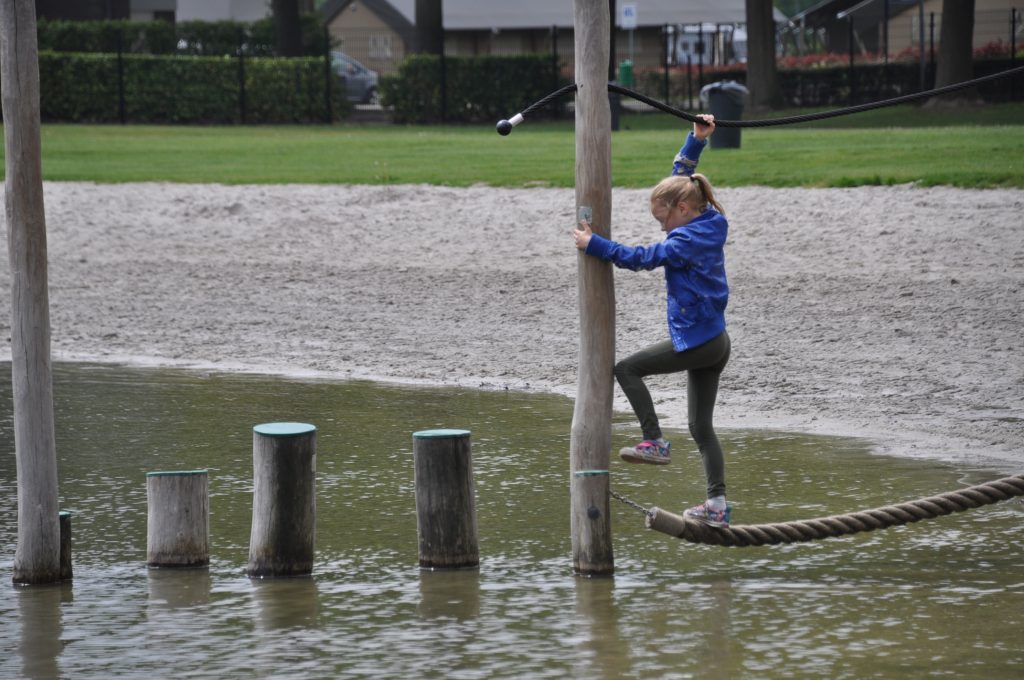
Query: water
[(943, 598)]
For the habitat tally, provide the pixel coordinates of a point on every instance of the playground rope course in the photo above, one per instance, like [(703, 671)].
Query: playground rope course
[(743, 535), (504, 127)]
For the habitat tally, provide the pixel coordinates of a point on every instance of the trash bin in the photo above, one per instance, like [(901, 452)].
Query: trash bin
[(626, 73), (724, 100)]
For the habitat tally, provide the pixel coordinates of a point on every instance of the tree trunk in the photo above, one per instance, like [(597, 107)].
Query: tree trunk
[(429, 27), (37, 557), (955, 61), (590, 441), (762, 75), (287, 28)]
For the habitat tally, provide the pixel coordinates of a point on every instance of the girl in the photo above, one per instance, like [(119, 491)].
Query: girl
[(692, 255)]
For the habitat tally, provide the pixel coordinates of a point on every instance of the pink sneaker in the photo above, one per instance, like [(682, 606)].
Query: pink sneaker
[(715, 518), (648, 451)]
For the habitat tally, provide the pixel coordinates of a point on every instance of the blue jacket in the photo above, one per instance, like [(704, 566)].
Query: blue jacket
[(694, 262)]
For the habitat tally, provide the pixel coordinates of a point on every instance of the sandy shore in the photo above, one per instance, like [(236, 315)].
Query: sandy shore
[(892, 313)]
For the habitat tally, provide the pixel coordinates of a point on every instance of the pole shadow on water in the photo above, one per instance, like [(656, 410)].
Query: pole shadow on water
[(41, 623), (606, 651), (178, 588), (450, 594), (286, 603)]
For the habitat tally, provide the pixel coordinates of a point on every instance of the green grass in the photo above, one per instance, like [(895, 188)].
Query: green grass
[(982, 148)]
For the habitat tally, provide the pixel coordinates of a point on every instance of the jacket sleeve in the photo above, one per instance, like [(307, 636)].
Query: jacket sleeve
[(685, 162), (684, 246), (627, 257)]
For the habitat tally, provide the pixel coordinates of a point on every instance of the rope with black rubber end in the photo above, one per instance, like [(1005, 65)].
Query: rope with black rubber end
[(744, 535), (504, 127)]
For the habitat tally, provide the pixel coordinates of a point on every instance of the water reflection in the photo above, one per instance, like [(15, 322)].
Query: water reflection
[(178, 588), (283, 603), (600, 647), (41, 625), (450, 593), (943, 597)]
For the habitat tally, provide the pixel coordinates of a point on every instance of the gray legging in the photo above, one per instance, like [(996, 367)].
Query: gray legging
[(703, 365)]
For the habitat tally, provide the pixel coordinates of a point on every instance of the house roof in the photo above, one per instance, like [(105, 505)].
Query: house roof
[(873, 11), (465, 15), (863, 12), (383, 9)]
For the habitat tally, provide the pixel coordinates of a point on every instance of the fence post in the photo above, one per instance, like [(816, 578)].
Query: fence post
[(178, 521), (445, 499), (120, 75), (689, 81), (1013, 52), (853, 74), (241, 77), (283, 500), (327, 75), (65, 546), (664, 40), (920, 39)]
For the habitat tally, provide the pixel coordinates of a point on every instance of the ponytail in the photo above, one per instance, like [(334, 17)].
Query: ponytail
[(694, 189)]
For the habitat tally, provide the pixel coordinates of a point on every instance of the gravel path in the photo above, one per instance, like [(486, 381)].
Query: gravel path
[(893, 313)]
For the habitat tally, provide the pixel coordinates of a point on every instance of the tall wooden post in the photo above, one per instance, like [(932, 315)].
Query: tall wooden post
[(178, 519), (445, 499), (37, 557), (590, 442), (283, 500)]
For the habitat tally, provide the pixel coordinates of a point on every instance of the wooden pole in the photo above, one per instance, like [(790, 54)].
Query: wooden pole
[(445, 499), (178, 527), (66, 573), (283, 500), (590, 441), (37, 557)]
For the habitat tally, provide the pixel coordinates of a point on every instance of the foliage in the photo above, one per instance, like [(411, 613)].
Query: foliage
[(479, 89), (185, 89), (199, 38)]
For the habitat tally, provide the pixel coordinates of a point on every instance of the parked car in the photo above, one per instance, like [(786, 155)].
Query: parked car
[(360, 82)]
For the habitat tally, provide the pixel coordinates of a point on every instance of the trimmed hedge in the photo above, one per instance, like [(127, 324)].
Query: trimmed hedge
[(201, 38), (161, 89), (479, 89)]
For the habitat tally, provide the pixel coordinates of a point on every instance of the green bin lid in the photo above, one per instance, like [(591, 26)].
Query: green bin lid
[(440, 434), (171, 473), (284, 429)]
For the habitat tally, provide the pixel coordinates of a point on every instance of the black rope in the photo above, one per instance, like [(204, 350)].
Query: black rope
[(505, 126)]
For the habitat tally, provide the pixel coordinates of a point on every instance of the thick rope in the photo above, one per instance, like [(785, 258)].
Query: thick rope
[(504, 127), (742, 535)]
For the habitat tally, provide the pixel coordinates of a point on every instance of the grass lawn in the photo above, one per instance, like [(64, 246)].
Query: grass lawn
[(975, 148)]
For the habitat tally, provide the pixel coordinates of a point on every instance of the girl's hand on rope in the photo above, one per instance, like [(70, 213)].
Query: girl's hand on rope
[(582, 235), (702, 132)]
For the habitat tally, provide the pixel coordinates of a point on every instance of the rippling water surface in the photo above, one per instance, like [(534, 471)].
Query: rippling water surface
[(942, 598)]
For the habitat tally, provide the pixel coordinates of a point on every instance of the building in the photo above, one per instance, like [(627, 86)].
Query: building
[(894, 26), (379, 32)]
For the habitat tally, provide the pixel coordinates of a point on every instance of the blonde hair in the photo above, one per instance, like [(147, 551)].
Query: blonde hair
[(694, 189)]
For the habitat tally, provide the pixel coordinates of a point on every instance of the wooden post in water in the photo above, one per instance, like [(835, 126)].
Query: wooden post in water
[(283, 500), (66, 573), (178, 527), (590, 442), (37, 557), (445, 499)]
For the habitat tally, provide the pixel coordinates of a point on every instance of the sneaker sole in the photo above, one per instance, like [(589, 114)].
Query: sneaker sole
[(710, 523), (630, 456)]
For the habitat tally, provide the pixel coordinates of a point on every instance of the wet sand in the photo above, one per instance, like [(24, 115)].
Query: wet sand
[(891, 313)]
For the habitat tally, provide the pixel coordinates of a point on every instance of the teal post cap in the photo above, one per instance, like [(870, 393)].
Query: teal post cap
[(173, 473), (440, 434), (284, 429), (64, 513)]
